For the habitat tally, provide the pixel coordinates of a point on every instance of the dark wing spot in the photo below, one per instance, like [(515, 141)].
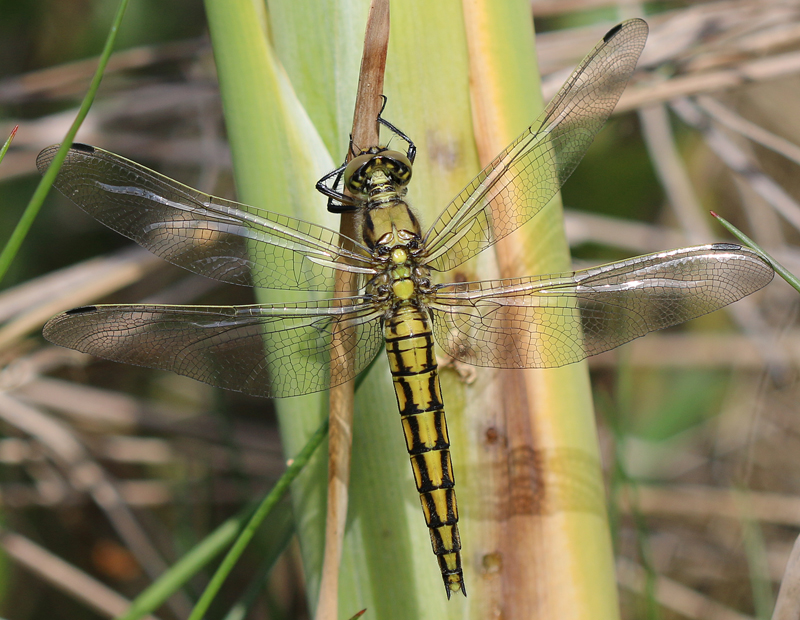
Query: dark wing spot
[(80, 146), (726, 246), (81, 310), (610, 34)]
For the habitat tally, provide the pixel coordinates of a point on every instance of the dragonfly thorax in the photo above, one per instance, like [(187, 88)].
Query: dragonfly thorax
[(403, 281), (409, 280), (388, 223)]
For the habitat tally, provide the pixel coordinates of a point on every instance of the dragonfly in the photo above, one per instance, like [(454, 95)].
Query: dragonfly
[(287, 349)]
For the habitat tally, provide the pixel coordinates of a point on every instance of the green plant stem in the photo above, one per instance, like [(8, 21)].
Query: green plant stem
[(258, 517), (35, 203)]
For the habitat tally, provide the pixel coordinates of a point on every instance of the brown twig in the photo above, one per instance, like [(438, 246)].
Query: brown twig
[(774, 67), (787, 607), (674, 178), (39, 300), (66, 577), (740, 162), (713, 46), (673, 175), (365, 133), (677, 350), (701, 36), (748, 129), (635, 237), (71, 79), (704, 501), (673, 595), (86, 475)]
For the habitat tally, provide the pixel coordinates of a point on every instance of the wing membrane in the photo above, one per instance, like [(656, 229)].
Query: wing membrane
[(271, 350), (550, 321), (218, 238), (524, 177)]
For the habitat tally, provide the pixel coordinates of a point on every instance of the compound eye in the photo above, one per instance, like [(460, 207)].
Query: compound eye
[(358, 172), (398, 166)]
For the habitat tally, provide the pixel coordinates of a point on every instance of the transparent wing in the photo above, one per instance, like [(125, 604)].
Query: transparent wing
[(267, 350), (524, 177), (218, 238), (550, 321)]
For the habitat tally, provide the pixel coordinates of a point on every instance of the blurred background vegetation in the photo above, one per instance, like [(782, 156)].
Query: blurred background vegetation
[(699, 425)]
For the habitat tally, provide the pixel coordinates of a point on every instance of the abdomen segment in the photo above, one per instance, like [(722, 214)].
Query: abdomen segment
[(409, 345)]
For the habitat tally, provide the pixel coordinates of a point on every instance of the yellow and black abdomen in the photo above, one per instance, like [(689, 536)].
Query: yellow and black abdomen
[(409, 344)]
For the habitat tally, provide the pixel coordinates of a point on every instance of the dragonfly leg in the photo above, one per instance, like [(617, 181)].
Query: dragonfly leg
[(338, 202), (412, 148)]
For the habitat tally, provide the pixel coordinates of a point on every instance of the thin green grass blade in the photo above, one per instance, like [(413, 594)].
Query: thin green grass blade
[(242, 607), (35, 203), (242, 526), (784, 273), (186, 568), (258, 517), (280, 533), (616, 409), (8, 142), (755, 550)]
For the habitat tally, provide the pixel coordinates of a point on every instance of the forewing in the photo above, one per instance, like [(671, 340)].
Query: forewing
[(268, 350), (550, 321), (218, 238), (524, 177)]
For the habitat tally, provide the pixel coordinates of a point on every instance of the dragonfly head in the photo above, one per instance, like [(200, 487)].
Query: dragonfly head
[(360, 171)]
